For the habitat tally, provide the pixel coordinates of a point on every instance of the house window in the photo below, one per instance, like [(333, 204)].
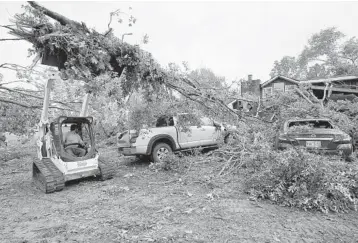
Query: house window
[(267, 92), (289, 88), (278, 87)]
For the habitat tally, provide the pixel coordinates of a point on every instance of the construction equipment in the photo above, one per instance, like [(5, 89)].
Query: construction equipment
[(55, 165)]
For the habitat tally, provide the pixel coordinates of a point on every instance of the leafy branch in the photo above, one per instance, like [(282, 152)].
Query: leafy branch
[(31, 106)]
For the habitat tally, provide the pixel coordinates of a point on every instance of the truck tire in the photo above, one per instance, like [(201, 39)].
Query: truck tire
[(159, 151)]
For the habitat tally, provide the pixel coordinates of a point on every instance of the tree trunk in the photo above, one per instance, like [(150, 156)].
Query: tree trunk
[(58, 17)]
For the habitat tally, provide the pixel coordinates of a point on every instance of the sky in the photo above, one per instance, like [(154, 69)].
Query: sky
[(233, 39)]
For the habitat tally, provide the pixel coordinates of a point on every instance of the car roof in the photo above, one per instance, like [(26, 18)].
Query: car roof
[(309, 119)]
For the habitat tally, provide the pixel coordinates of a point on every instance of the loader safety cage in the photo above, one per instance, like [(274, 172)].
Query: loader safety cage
[(57, 134)]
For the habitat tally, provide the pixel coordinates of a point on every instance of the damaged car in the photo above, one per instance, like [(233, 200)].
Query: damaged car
[(314, 134)]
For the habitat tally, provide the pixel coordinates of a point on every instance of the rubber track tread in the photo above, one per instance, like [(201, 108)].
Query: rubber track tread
[(42, 177), (56, 173), (107, 171)]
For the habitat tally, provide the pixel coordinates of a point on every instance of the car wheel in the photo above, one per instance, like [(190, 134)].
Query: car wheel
[(348, 155), (160, 151), (349, 158)]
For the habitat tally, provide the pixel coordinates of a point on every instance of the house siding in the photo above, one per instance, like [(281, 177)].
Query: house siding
[(271, 85), (342, 85)]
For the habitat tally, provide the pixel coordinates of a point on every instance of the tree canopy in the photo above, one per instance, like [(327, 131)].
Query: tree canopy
[(327, 54), (111, 69)]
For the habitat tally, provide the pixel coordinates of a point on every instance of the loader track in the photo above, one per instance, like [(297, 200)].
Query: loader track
[(57, 174), (47, 177), (107, 171)]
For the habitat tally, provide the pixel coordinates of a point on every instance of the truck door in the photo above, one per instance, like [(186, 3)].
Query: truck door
[(193, 133), (211, 133)]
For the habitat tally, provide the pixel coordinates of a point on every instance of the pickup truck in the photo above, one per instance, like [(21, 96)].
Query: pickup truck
[(171, 133)]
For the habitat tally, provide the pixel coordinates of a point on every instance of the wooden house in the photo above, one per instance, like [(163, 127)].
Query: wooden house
[(276, 85)]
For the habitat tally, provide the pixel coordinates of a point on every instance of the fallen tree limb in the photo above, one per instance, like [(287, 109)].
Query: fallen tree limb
[(225, 166), (38, 97), (12, 39), (32, 106), (324, 94), (303, 95)]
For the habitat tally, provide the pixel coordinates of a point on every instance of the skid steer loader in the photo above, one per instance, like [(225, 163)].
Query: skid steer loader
[(55, 164)]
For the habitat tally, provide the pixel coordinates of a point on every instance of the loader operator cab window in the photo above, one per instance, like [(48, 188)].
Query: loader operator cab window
[(85, 134), (76, 139)]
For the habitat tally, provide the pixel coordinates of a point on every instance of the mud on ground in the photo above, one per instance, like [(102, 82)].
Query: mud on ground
[(142, 205)]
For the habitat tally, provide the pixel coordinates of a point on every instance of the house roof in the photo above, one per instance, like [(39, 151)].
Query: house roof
[(328, 80), (277, 77)]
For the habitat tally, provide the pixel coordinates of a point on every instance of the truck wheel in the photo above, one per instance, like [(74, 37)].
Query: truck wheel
[(160, 151)]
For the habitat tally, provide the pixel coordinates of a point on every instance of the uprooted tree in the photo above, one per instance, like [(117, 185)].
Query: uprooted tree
[(105, 63), (109, 66), (84, 54)]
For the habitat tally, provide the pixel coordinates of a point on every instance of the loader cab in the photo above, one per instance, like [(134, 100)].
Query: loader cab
[(84, 131), (61, 126)]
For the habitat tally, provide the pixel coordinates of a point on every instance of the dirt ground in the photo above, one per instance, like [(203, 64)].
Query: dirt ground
[(142, 205)]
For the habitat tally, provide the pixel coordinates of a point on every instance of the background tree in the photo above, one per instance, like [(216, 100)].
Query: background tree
[(287, 66), (327, 54)]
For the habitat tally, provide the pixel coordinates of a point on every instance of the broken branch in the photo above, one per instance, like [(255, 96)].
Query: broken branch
[(303, 95), (11, 39), (31, 106)]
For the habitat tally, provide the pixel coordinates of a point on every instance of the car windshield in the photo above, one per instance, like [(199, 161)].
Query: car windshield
[(312, 124)]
